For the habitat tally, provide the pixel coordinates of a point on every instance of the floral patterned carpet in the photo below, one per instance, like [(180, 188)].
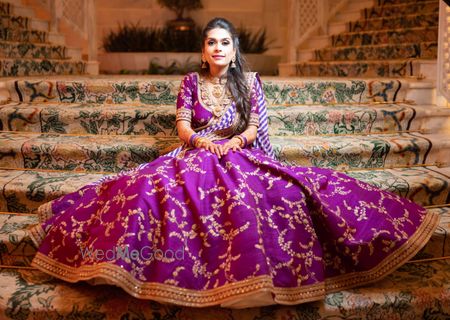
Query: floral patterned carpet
[(26, 51), (61, 133), (415, 291)]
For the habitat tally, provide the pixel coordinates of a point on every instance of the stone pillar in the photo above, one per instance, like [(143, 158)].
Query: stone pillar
[(91, 27)]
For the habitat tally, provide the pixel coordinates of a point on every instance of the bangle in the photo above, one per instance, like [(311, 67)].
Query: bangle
[(192, 139), (199, 139), (244, 140)]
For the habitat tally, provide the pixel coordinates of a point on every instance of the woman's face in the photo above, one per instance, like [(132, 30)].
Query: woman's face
[(218, 48)]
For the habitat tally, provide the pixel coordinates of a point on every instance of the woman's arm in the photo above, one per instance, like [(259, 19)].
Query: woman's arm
[(184, 130), (236, 144), (184, 119), (185, 133)]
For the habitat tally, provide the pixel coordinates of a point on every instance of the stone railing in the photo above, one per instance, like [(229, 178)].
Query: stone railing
[(306, 18), (443, 64)]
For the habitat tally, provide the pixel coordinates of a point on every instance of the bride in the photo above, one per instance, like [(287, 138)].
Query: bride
[(219, 221)]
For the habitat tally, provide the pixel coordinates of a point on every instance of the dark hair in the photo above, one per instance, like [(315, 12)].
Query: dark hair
[(236, 81)]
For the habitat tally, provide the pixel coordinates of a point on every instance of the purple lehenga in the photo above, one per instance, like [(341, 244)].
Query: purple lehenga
[(243, 230)]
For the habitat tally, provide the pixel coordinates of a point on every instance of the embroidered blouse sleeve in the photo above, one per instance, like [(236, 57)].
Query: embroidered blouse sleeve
[(257, 101), (184, 100)]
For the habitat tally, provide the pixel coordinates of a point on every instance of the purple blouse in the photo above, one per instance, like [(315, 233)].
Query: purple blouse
[(194, 106)]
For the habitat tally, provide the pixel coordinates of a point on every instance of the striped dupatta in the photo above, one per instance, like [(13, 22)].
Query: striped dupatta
[(225, 126)]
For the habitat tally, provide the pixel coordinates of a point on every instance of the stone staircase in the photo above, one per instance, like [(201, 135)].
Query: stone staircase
[(390, 38), (60, 132), (28, 48)]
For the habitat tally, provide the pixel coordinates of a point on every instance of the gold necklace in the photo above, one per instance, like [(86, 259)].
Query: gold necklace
[(215, 95), (218, 86), (217, 90)]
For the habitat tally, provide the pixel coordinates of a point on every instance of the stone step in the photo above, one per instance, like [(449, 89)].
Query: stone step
[(413, 36), (426, 186), (23, 23), (41, 67), (351, 12), (362, 151), (422, 50), (56, 38), (89, 152), (373, 25), (349, 119), (119, 152), (17, 248), (157, 120), (23, 35), (397, 10), (368, 68), (89, 118), (418, 290), (306, 49), (423, 91), (39, 24), (25, 190), (5, 7), (74, 53), (16, 10), (391, 2), (392, 23), (19, 50), (14, 22), (164, 90), (368, 38), (438, 245)]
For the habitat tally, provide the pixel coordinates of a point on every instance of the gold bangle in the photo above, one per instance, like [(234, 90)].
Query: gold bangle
[(198, 140), (242, 142)]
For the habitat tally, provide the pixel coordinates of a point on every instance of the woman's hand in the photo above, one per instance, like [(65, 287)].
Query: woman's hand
[(207, 144), (234, 143)]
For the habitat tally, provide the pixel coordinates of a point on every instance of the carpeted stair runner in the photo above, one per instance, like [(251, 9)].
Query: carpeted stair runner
[(420, 287), (115, 153), (385, 2), (418, 290), (59, 134), (376, 37), (158, 90), (159, 120), (17, 249), (14, 22), (31, 51), (25, 190), (425, 185), (400, 9), (369, 68), (23, 35), (25, 51), (35, 67), (423, 50), (394, 23), (391, 39)]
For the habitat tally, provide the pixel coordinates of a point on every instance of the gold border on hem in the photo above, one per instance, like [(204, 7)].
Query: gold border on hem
[(195, 298)]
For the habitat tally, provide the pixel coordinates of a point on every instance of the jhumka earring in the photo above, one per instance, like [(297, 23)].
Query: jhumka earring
[(204, 66), (233, 64)]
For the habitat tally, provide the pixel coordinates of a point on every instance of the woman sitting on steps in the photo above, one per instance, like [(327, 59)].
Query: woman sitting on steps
[(219, 221)]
